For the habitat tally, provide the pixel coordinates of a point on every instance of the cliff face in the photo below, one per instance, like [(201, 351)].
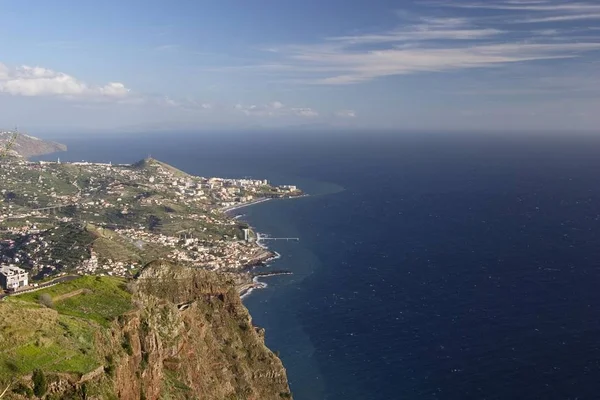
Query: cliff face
[(192, 337), (186, 336), (28, 146)]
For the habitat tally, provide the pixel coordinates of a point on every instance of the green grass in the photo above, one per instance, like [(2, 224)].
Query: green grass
[(30, 356), (106, 298), (38, 339), (63, 339)]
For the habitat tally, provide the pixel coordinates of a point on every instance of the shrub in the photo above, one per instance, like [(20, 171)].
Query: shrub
[(109, 368), (40, 386), (20, 388), (46, 300), (127, 344)]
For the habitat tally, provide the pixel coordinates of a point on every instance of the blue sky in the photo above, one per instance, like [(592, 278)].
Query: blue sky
[(501, 65)]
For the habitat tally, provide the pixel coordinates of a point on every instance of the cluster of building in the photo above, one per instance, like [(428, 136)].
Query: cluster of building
[(94, 266), (35, 194)]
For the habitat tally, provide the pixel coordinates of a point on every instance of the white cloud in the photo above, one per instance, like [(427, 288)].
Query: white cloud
[(275, 109), (114, 89), (346, 114), (304, 112), (426, 29), (4, 72), (188, 104), (38, 81), (170, 102)]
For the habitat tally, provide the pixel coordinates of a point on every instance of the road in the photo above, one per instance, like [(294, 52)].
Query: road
[(42, 285)]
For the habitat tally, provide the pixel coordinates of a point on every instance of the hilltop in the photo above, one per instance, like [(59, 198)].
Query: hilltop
[(26, 146)]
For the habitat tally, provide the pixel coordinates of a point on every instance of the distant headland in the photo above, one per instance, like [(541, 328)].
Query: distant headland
[(18, 144)]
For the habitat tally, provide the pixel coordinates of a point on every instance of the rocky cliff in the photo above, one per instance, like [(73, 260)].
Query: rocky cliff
[(191, 336), (27, 146), (186, 336)]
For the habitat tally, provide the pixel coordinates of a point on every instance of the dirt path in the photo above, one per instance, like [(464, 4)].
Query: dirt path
[(68, 295)]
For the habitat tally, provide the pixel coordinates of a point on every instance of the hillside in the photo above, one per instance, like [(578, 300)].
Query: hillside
[(27, 146), (174, 333)]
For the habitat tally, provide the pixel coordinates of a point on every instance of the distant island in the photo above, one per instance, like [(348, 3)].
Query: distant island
[(127, 281)]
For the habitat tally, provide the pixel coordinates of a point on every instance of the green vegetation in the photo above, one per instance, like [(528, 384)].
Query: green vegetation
[(102, 299), (40, 386), (61, 339), (96, 344), (38, 340), (126, 344)]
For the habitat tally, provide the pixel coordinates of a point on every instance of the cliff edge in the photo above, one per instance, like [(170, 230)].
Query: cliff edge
[(174, 333)]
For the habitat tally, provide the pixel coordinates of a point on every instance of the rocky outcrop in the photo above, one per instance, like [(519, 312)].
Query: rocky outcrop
[(191, 337)]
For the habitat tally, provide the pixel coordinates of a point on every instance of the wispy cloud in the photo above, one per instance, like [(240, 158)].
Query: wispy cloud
[(559, 18), (426, 29), (545, 10), (348, 66), (547, 5), (436, 44)]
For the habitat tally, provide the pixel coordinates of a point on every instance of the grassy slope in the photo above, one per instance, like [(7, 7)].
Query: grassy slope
[(60, 339), (211, 348)]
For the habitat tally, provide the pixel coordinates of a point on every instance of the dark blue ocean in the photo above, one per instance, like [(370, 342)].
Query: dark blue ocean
[(430, 266)]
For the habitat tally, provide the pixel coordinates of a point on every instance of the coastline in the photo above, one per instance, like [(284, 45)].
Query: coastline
[(246, 289), (256, 284), (258, 201)]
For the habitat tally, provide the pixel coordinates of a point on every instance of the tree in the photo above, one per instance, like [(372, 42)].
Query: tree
[(10, 196), (70, 210), (40, 386), (154, 222)]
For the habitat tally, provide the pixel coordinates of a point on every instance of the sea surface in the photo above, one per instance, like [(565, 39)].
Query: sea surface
[(430, 266)]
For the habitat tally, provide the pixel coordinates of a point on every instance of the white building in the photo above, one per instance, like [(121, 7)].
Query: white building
[(246, 234), (12, 277)]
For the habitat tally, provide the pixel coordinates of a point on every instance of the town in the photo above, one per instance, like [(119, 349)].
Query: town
[(60, 219)]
